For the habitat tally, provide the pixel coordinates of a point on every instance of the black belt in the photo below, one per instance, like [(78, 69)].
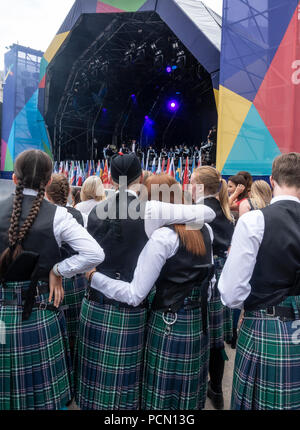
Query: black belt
[(283, 312), (97, 297)]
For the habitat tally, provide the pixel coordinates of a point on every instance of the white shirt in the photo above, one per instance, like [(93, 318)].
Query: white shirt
[(86, 206), (162, 245), (66, 229), (234, 284), (158, 214)]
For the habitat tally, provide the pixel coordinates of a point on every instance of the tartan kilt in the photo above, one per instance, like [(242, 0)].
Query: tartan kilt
[(35, 365), (267, 364), (110, 349), (176, 363), (220, 316), (74, 293)]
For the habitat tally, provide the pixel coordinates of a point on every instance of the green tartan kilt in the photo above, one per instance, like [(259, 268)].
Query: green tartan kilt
[(74, 293), (110, 349), (220, 316), (35, 366), (176, 362), (267, 364)]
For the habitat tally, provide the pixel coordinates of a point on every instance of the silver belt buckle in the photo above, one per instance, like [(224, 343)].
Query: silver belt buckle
[(118, 275), (271, 314), (43, 306)]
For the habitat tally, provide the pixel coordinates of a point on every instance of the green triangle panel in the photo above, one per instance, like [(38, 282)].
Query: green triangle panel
[(254, 148), (126, 5)]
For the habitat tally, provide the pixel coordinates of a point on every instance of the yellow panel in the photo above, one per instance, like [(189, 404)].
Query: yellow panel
[(55, 45), (233, 110), (216, 93)]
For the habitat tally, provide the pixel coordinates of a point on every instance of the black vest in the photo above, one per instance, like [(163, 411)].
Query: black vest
[(121, 239), (40, 238), (278, 258), (180, 274), (66, 250), (221, 226)]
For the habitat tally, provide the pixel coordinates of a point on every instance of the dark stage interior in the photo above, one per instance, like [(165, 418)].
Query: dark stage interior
[(134, 80)]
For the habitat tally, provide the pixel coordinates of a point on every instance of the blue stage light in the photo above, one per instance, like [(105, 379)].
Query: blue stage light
[(173, 105)]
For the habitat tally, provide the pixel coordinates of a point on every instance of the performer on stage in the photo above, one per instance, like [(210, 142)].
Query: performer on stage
[(57, 192), (179, 262), (111, 333), (262, 274), (220, 318), (34, 365)]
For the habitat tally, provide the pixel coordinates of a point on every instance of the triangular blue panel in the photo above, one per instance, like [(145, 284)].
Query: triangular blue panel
[(254, 148)]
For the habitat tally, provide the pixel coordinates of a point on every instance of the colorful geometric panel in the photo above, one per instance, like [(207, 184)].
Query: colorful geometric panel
[(252, 31), (55, 45), (126, 6), (233, 110), (254, 148), (105, 8), (278, 99)]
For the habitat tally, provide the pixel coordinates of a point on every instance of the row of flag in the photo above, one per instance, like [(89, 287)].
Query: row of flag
[(78, 171)]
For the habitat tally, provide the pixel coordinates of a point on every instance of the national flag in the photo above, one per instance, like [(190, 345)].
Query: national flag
[(61, 167), (143, 162), (163, 166), (147, 161), (186, 173), (66, 169), (79, 180), (55, 167), (105, 174), (98, 172), (153, 165), (168, 167), (158, 170), (86, 170), (172, 168), (178, 171), (194, 164)]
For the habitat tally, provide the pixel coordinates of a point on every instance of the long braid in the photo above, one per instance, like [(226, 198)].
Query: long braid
[(10, 253), (32, 215), (59, 189)]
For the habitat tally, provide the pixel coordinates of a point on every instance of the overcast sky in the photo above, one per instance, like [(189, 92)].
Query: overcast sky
[(34, 23)]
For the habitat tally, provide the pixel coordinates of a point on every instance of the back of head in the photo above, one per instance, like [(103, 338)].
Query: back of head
[(76, 195), (248, 178), (214, 185), (92, 189), (170, 191), (126, 165), (58, 190), (286, 170), (261, 194), (33, 169)]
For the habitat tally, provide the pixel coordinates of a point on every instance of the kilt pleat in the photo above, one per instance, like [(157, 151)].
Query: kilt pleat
[(267, 364), (176, 364), (220, 316), (35, 371), (74, 293), (110, 348)]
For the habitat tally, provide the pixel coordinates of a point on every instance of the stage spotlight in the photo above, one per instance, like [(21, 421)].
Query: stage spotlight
[(173, 105), (132, 96), (169, 69), (153, 46), (175, 45), (146, 117)]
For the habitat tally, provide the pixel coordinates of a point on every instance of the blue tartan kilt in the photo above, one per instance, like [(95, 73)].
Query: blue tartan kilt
[(220, 316), (74, 293), (35, 364), (267, 365), (176, 361), (110, 350)]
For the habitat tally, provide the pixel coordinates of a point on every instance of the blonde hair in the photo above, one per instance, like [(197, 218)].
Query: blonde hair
[(214, 185), (92, 189), (261, 194)]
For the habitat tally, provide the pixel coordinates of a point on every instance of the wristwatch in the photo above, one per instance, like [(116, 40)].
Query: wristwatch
[(55, 270)]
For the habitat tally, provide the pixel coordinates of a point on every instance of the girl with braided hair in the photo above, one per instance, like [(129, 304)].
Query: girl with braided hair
[(57, 192), (34, 361)]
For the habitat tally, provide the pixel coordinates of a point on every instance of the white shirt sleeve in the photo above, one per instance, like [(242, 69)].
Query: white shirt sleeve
[(213, 280), (158, 214), (234, 284), (68, 230), (162, 245)]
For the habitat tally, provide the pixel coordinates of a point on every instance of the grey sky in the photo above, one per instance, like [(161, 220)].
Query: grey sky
[(34, 23)]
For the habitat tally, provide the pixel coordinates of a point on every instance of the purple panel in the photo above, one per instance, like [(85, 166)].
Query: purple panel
[(9, 96), (80, 7)]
